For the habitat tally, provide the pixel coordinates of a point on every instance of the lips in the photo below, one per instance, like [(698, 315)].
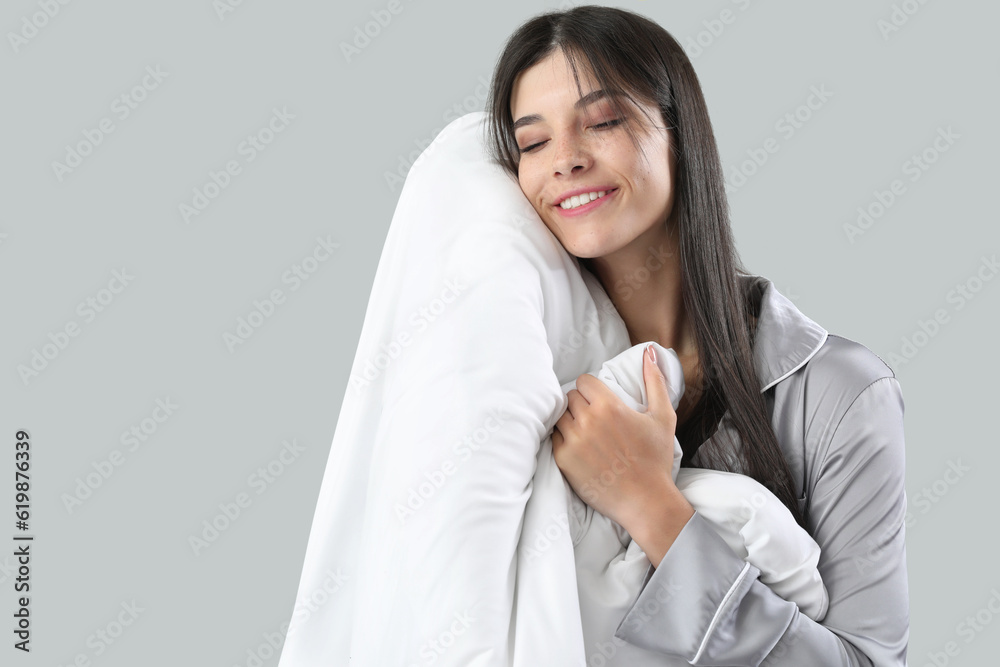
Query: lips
[(582, 191), (607, 189), (584, 209)]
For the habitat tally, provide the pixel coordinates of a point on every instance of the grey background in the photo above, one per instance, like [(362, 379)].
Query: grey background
[(324, 175)]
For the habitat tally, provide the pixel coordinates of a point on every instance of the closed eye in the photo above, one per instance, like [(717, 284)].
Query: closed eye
[(605, 125), (528, 149)]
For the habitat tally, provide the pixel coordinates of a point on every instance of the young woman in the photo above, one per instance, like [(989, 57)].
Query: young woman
[(598, 114)]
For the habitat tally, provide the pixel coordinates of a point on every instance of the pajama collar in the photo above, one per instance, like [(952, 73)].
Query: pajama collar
[(786, 338)]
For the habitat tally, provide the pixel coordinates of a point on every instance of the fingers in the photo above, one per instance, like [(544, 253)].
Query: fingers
[(563, 425), (567, 422), (577, 401), (593, 389), (656, 385)]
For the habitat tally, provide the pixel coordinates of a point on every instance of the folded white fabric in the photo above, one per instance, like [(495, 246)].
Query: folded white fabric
[(477, 315), (611, 567)]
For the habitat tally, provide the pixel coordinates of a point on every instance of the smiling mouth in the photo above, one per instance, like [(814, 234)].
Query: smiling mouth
[(577, 201)]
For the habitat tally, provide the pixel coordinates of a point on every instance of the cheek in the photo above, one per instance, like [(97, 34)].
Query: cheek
[(654, 178), (529, 186)]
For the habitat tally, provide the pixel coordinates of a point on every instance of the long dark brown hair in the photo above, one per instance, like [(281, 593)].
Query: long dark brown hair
[(632, 57)]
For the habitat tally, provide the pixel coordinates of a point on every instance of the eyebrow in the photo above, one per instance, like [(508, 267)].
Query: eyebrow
[(589, 98)]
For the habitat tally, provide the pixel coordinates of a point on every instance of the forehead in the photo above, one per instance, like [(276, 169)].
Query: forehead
[(551, 78)]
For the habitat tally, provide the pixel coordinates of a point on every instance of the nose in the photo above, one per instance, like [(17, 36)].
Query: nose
[(570, 155)]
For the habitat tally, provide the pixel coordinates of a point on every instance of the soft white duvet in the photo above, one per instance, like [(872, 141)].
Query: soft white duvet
[(442, 515)]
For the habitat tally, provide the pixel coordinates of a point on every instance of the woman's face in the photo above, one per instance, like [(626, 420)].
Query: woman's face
[(571, 145)]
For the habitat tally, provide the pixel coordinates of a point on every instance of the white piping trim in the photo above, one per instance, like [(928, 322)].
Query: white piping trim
[(718, 612), (800, 365)]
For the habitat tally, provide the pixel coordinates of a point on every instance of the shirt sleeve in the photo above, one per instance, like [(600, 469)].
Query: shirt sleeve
[(706, 605)]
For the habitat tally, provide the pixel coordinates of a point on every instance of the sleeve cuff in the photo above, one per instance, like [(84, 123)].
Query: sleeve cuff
[(699, 582)]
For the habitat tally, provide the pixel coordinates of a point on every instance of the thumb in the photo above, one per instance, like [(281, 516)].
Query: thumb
[(656, 384)]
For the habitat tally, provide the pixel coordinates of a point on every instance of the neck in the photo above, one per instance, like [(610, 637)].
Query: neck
[(643, 281)]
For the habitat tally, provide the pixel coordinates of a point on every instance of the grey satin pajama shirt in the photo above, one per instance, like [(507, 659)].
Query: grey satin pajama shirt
[(837, 411)]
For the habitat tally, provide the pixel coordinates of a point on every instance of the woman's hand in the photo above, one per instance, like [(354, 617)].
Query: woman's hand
[(619, 460)]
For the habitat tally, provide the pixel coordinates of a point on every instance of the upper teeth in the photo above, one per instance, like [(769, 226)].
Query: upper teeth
[(580, 200)]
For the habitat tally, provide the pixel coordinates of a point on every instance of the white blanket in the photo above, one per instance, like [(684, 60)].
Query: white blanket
[(421, 549)]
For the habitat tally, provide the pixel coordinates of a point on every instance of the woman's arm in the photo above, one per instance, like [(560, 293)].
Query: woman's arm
[(706, 605)]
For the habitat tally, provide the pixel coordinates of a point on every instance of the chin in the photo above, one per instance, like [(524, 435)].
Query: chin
[(574, 248), (584, 253), (589, 249)]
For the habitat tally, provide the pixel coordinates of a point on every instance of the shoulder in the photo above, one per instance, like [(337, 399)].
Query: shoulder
[(851, 407), (845, 365), (822, 390), (829, 385), (843, 387)]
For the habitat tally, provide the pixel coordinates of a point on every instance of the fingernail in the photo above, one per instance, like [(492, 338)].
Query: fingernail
[(652, 353)]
